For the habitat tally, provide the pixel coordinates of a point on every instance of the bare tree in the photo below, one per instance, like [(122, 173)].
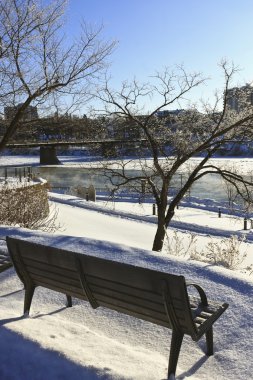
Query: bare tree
[(39, 64), (173, 139)]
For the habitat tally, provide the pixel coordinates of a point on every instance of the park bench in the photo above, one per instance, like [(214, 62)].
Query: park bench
[(150, 295)]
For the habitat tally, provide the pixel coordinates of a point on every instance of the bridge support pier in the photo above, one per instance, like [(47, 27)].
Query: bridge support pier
[(48, 156)]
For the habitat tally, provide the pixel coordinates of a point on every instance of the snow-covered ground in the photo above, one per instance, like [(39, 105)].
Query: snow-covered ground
[(81, 343), (242, 164), (134, 221), (56, 342)]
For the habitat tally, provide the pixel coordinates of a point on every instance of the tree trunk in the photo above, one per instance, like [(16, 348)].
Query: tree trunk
[(163, 222), (159, 237)]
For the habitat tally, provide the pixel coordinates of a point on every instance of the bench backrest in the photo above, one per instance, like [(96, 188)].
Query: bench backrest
[(147, 294)]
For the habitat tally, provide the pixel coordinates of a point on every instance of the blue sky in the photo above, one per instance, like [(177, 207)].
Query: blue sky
[(152, 34)]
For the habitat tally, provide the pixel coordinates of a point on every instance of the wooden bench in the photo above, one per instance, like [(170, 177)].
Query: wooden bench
[(153, 296)]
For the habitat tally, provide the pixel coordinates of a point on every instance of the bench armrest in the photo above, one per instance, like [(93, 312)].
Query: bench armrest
[(201, 293)]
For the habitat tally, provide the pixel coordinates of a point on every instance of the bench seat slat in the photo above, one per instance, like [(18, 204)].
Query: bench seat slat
[(204, 323), (205, 315), (4, 266), (4, 257)]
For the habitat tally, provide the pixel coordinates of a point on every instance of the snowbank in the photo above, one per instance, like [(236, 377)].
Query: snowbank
[(101, 344)]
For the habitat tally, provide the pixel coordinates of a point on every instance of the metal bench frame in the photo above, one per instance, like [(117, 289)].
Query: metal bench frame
[(157, 297)]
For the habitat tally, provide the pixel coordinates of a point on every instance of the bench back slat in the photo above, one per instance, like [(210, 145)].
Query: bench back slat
[(58, 277), (139, 288), (129, 289)]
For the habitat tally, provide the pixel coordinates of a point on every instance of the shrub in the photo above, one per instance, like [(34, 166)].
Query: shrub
[(181, 244), (26, 205), (227, 252)]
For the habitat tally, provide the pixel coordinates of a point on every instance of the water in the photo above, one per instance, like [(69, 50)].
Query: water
[(65, 177), (210, 186)]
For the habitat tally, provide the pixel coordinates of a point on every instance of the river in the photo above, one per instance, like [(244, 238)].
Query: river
[(64, 177)]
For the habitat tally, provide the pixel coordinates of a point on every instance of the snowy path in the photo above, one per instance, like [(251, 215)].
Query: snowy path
[(77, 221), (133, 225)]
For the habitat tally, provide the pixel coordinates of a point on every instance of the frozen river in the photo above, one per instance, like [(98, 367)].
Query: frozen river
[(73, 173)]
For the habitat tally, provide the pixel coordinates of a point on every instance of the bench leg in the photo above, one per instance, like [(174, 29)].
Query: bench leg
[(176, 342), (29, 291), (69, 301), (209, 341)]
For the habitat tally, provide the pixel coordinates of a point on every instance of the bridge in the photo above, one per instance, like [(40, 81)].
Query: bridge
[(48, 154)]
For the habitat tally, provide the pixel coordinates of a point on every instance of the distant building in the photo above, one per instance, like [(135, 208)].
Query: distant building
[(30, 112), (238, 98), (167, 113)]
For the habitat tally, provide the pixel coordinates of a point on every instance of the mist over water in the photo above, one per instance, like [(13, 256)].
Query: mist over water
[(210, 186), (64, 177)]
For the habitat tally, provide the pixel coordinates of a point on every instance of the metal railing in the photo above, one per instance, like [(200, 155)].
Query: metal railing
[(20, 173)]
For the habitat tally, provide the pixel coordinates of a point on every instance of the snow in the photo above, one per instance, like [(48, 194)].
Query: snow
[(242, 164), (134, 221), (56, 342)]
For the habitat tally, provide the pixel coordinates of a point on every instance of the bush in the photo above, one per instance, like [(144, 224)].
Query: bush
[(181, 244), (227, 252), (26, 205)]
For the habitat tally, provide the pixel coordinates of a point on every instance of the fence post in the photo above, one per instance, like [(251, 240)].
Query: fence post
[(219, 213), (154, 210), (143, 186), (29, 174), (245, 224)]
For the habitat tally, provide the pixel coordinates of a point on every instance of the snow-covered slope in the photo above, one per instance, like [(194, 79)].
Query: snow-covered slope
[(100, 344)]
